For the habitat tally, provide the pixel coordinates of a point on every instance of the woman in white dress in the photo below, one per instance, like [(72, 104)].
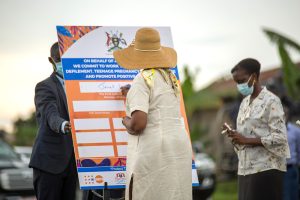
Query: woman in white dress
[(159, 154)]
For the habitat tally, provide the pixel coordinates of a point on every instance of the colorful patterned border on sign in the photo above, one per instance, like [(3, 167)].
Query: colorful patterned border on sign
[(68, 35)]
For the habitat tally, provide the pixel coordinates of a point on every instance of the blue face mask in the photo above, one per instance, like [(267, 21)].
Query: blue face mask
[(244, 89), (59, 69)]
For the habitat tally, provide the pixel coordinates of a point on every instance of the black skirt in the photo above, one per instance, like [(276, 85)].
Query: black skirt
[(266, 185)]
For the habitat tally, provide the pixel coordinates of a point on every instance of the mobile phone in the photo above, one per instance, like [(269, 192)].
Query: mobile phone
[(227, 126)]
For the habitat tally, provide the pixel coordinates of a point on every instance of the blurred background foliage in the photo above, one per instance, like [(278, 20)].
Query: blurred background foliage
[(291, 72), (25, 130)]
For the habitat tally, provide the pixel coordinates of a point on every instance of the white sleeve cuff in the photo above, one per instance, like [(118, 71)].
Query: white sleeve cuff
[(62, 128)]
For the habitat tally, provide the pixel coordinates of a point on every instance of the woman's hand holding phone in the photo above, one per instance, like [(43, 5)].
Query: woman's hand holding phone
[(226, 128)]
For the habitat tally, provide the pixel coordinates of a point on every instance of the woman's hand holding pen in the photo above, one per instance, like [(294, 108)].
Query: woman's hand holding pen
[(125, 89)]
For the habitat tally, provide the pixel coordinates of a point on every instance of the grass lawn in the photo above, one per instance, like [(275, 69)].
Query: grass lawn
[(226, 191)]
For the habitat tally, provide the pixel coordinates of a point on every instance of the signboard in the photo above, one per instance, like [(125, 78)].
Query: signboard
[(96, 106)]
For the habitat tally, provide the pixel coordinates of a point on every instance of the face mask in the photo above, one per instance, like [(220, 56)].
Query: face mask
[(244, 89), (59, 69)]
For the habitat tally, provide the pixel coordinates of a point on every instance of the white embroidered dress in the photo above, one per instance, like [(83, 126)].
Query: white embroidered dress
[(159, 159)]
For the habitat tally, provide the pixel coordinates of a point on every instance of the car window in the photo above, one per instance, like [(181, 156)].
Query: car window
[(6, 152)]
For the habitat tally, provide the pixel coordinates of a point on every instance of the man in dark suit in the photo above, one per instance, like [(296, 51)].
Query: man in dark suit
[(53, 160)]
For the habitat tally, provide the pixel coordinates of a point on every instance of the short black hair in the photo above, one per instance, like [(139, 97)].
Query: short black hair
[(250, 65), (54, 49)]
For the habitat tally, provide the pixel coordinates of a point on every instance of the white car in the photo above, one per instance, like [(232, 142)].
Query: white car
[(24, 153), (16, 179)]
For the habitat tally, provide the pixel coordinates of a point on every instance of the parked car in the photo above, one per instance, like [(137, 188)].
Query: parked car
[(15, 176), (206, 171), (24, 153)]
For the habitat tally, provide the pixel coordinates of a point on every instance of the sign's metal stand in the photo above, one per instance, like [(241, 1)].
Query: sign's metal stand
[(106, 194)]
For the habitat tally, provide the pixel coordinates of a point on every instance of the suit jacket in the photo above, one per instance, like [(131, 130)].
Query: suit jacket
[(52, 150)]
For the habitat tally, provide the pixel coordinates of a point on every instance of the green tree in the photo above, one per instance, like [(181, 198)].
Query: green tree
[(189, 95), (188, 90), (188, 84), (25, 130), (291, 71)]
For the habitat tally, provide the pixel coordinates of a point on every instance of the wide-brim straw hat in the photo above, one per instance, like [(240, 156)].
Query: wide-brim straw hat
[(146, 52)]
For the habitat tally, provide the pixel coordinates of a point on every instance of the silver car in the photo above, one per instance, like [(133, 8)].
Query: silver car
[(15, 177)]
